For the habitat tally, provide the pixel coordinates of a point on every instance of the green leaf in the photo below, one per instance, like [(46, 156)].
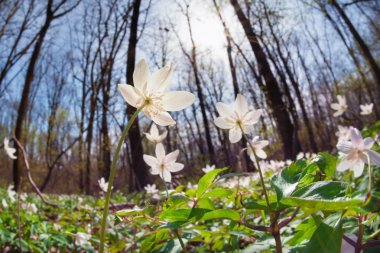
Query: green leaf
[(129, 212), (287, 180), (218, 193), (173, 215), (222, 214), (326, 239), (326, 163), (325, 195), (236, 174), (206, 181), (305, 231), (177, 199)]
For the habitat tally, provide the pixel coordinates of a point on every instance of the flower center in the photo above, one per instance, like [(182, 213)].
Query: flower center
[(152, 103)]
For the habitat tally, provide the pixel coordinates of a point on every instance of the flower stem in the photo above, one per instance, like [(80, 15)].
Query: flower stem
[(259, 169), (180, 241), (110, 180), (369, 193)]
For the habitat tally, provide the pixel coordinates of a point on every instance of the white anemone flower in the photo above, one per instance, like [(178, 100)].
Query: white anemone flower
[(151, 189), (343, 133), (236, 118), (155, 136), (82, 238), (357, 152), (10, 151), (366, 109), (163, 164), (4, 203), (257, 146), (340, 107), (11, 193), (103, 184), (151, 92), (208, 168), (29, 207)]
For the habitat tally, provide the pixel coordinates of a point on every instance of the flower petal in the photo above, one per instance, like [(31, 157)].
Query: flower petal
[(252, 117), (368, 142), (374, 157), (129, 94), (260, 153), (235, 134), (224, 110), (171, 157), (345, 164), (162, 136), (356, 137), (140, 75), (176, 167), (154, 131), (160, 151), (241, 105), (159, 81), (223, 123), (344, 146), (358, 168), (163, 119), (335, 106), (177, 100), (150, 160), (166, 176)]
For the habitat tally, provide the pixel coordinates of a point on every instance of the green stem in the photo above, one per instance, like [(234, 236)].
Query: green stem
[(259, 169), (180, 241), (110, 180)]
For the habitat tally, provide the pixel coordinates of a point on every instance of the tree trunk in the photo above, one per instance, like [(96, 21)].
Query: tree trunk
[(138, 165), (23, 106), (273, 94), (362, 45)]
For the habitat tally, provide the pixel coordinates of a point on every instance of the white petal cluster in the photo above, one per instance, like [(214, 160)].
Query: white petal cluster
[(257, 146), (343, 133), (11, 193), (10, 151), (366, 109), (237, 118), (357, 152), (82, 239), (103, 184), (163, 164), (208, 168), (150, 91), (151, 189), (340, 106), (155, 136), (29, 207)]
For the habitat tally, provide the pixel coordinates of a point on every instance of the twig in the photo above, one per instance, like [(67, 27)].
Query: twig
[(36, 189), (349, 240), (244, 222), (286, 221)]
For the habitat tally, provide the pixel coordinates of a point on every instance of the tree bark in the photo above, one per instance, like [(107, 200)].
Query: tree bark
[(23, 106), (362, 45), (138, 165), (273, 94)]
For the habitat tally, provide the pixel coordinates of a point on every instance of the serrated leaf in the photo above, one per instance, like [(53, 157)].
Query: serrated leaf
[(206, 181)]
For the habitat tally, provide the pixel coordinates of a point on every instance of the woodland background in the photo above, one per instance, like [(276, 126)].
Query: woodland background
[(61, 61)]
